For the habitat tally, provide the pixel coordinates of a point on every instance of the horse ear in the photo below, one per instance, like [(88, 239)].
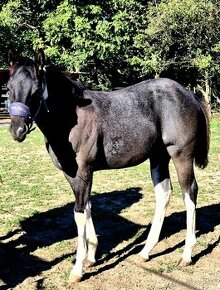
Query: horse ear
[(12, 57), (40, 59)]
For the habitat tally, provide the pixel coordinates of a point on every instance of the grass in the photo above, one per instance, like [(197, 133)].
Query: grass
[(30, 186), (29, 181)]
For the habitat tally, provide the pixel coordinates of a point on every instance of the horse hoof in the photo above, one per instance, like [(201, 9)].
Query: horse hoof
[(138, 259), (183, 263), (142, 258), (89, 264), (74, 279)]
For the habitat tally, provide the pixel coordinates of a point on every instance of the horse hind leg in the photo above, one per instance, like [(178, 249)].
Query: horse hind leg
[(186, 177), (163, 189)]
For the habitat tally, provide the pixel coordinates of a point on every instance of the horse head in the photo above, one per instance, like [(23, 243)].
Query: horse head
[(26, 87)]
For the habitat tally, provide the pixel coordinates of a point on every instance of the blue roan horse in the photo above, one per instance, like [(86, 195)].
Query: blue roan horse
[(89, 130)]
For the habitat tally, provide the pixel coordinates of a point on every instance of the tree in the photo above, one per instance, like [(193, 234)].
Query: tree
[(95, 36), (21, 23), (120, 42), (181, 35)]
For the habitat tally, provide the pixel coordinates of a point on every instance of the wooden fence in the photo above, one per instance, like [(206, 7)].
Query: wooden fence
[(4, 74)]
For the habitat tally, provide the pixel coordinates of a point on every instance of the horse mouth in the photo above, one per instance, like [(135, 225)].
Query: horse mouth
[(18, 133), (19, 139)]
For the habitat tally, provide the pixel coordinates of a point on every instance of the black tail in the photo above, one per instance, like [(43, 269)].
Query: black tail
[(202, 147)]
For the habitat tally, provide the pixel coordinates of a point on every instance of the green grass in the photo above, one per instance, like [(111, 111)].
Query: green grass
[(29, 181)]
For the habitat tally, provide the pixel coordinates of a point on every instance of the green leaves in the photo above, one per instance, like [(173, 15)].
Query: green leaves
[(119, 42), (7, 15)]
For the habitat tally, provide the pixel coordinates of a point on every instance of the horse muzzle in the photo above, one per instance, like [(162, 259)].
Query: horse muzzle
[(18, 129)]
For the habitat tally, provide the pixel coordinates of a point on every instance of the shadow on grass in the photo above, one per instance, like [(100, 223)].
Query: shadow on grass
[(17, 261)]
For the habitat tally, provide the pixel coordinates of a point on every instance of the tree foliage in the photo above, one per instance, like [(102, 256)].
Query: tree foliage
[(183, 35), (118, 42)]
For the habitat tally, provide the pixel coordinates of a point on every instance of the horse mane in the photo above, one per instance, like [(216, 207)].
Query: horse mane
[(75, 87), (78, 87)]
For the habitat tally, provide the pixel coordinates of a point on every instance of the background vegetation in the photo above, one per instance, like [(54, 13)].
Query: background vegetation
[(120, 42)]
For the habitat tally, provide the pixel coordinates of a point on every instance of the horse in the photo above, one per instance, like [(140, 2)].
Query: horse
[(87, 130)]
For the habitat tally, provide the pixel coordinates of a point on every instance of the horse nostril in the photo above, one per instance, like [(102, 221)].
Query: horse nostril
[(26, 129), (21, 130)]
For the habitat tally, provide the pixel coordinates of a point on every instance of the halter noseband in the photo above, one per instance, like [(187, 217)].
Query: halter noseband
[(19, 109)]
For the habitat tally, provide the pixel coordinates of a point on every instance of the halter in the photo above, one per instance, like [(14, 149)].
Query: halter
[(19, 109), (22, 110)]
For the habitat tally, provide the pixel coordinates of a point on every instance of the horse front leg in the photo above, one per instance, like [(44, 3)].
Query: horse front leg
[(92, 241), (87, 239), (87, 243)]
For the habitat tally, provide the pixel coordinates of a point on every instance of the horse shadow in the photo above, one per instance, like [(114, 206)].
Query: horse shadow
[(17, 261)]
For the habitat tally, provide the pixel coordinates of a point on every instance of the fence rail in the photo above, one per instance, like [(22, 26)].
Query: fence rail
[(4, 106)]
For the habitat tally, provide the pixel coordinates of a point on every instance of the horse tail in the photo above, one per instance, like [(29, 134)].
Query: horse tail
[(203, 137)]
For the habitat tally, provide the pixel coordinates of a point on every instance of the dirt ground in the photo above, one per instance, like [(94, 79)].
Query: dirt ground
[(40, 254)]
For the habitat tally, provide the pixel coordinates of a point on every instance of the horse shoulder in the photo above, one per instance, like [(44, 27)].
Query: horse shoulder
[(83, 136)]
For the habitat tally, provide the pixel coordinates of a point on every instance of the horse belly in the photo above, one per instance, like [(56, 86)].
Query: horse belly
[(128, 149)]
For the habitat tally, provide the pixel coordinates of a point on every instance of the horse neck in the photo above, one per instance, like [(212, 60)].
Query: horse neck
[(60, 117), (56, 127)]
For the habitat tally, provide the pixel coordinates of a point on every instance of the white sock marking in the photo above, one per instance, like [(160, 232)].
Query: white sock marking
[(87, 240), (162, 193), (190, 232)]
